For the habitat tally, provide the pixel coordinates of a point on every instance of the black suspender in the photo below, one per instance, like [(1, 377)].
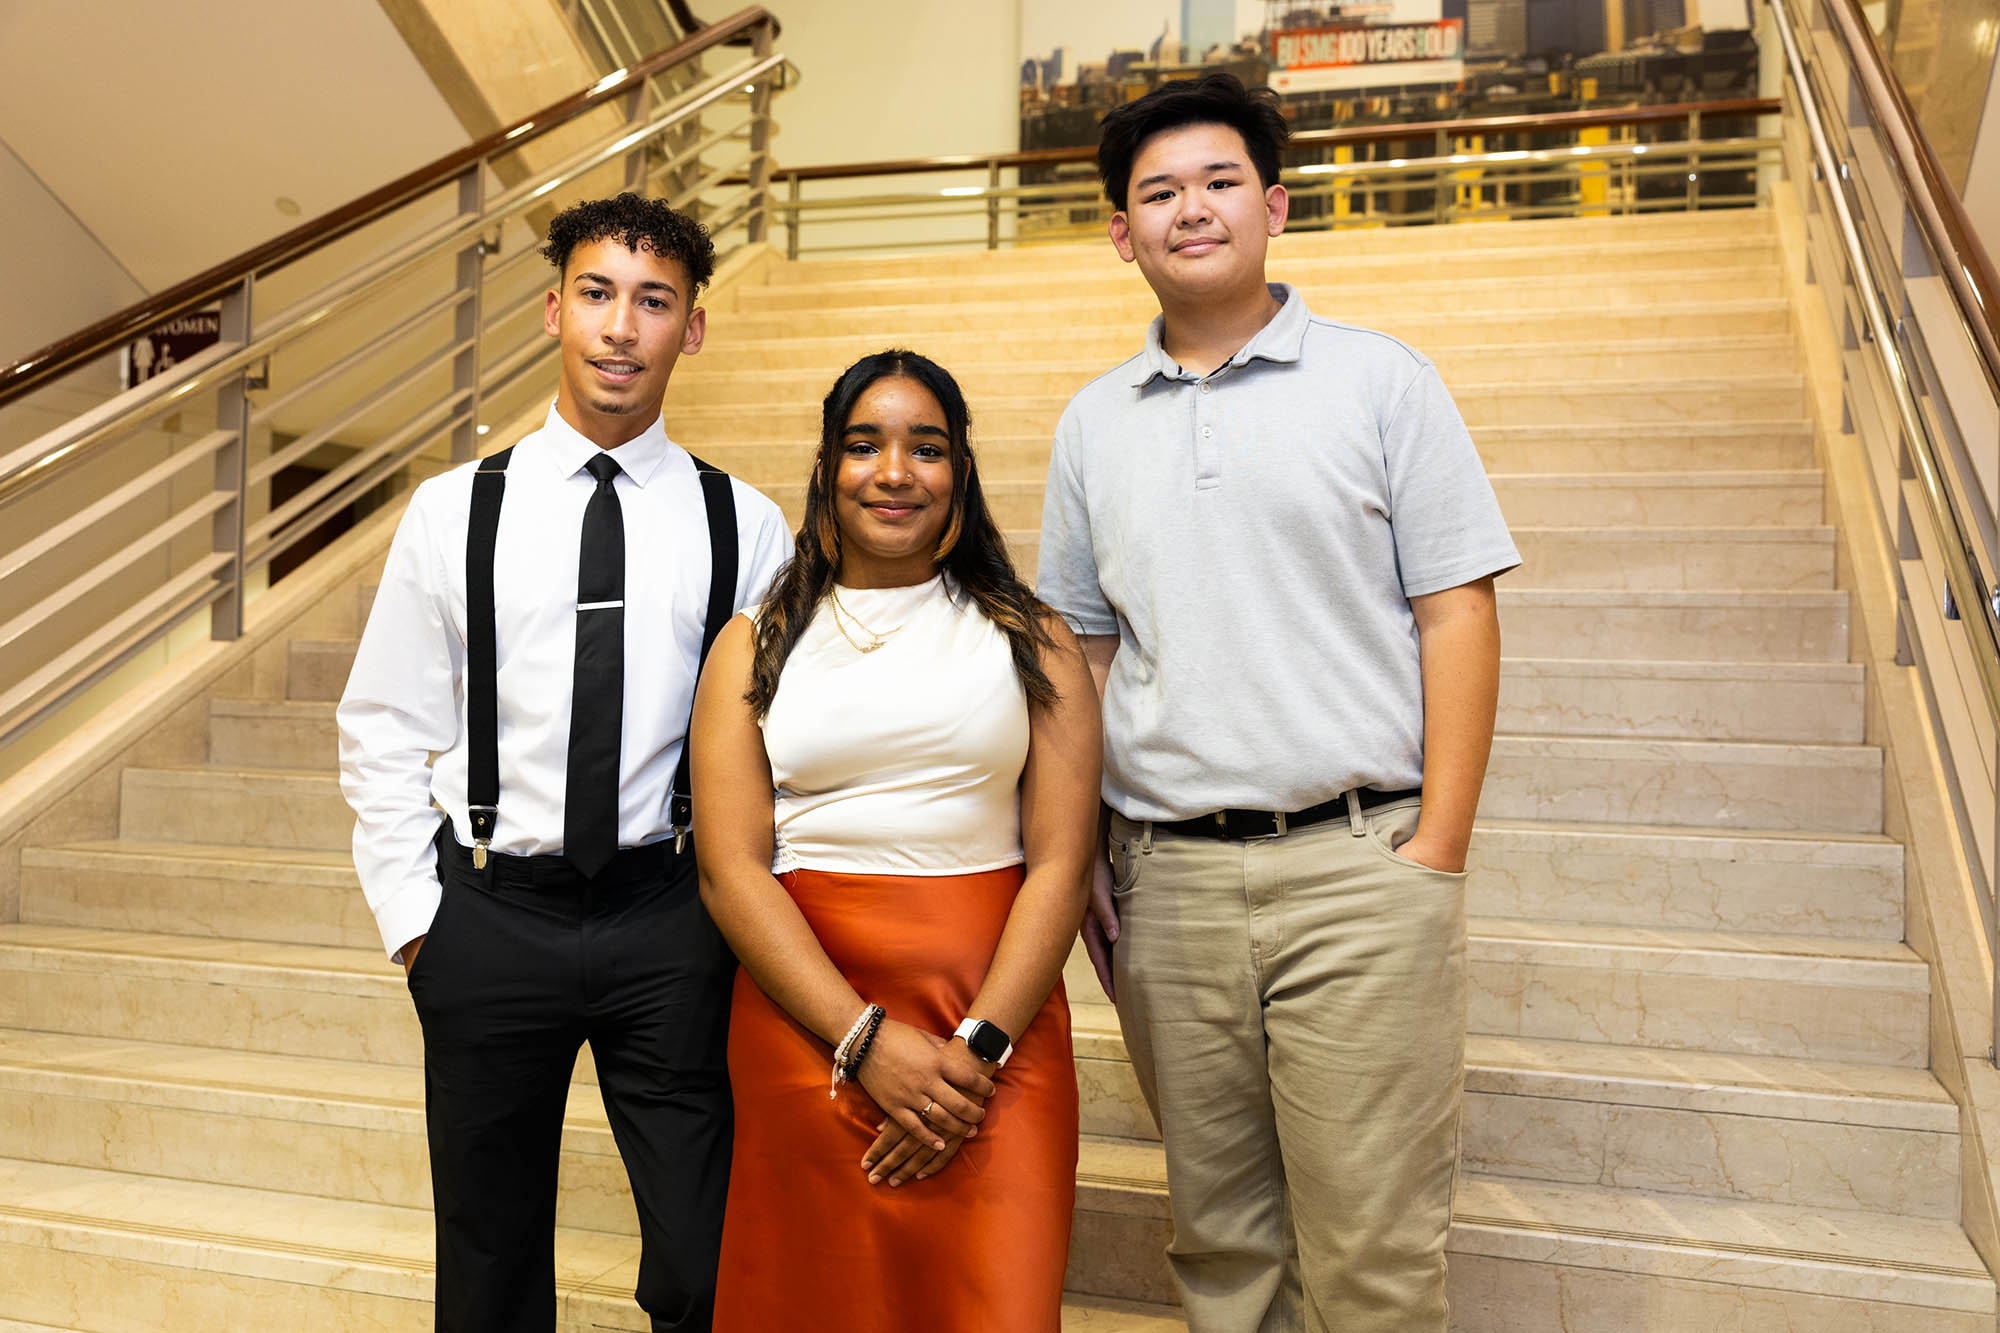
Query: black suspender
[(489, 485), (482, 698), (720, 502)]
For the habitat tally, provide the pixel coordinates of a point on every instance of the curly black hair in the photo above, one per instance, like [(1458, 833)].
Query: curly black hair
[(1216, 98), (634, 220)]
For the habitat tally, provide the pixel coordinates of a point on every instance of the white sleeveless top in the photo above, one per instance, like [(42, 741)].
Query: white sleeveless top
[(902, 761)]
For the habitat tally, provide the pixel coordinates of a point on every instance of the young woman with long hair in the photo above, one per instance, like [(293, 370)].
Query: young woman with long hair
[(896, 792)]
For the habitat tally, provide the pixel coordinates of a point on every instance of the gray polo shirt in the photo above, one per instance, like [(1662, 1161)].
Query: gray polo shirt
[(1253, 537)]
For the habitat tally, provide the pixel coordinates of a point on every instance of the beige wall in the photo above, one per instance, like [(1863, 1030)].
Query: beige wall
[(54, 274), (1982, 179)]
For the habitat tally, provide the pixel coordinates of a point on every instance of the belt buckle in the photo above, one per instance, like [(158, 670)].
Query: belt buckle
[(1229, 826)]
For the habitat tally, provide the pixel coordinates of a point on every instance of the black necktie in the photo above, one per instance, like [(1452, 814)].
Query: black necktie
[(597, 698)]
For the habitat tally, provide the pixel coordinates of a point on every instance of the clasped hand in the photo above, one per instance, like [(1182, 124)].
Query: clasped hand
[(933, 1092)]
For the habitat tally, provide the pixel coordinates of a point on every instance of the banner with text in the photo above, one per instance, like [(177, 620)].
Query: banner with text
[(1368, 56)]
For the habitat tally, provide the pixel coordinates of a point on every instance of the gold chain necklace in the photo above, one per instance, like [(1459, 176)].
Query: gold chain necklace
[(841, 615)]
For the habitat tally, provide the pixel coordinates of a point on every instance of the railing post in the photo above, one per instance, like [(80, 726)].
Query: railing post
[(993, 205), (635, 156), (468, 320), (1694, 161), (759, 217), (792, 218), (1444, 177), (232, 464)]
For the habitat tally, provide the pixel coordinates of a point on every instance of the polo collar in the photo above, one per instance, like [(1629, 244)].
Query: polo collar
[(1281, 340), (639, 458)]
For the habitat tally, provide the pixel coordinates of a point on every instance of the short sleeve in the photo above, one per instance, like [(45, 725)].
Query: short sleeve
[(1066, 569), (1447, 523)]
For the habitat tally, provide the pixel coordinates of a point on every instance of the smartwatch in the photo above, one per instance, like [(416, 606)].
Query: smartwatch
[(986, 1041)]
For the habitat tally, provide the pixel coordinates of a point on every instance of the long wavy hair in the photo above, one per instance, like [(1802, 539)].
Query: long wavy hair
[(970, 549)]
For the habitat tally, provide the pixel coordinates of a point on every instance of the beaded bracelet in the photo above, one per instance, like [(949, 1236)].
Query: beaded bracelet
[(867, 1043), (843, 1060)]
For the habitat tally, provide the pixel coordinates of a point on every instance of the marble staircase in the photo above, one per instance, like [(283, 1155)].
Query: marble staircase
[(1697, 1083)]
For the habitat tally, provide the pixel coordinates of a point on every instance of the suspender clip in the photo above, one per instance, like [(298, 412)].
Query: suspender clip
[(680, 818), (482, 818)]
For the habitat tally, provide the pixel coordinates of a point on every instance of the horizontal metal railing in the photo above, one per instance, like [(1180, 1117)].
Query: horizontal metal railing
[(1379, 175), (393, 337), (1886, 229)]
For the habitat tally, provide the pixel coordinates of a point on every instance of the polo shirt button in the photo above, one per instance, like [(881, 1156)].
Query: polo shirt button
[(1207, 431), (1206, 386)]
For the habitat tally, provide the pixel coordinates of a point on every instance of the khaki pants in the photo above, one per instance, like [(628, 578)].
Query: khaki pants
[(1295, 1011)]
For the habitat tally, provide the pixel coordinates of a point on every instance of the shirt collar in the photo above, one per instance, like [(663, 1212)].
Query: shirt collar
[(1282, 339), (639, 458)]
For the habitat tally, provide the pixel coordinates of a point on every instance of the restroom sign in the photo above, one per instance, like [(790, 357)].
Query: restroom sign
[(166, 345)]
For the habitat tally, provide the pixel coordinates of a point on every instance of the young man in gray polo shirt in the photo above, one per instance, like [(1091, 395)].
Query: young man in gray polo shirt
[(1276, 536)]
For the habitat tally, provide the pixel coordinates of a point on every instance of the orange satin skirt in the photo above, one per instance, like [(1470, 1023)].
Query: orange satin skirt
[(807, 1241)]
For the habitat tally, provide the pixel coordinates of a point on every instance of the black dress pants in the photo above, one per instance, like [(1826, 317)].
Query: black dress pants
[(525, 961)]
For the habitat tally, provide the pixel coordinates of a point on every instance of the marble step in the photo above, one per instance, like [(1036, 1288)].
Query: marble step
[(1734, 227), (1587, 1257), (1539, 1255), (1536, 304), (1636, 876), (1531, 307), (1701, 783), (1654, 499), (1794, 996), (281, 998), (1362, 250), (1589, 874), (255, 807), (1638, 402), (272, 733), (1743, 785), (1874, 1138), (1775, 1130), (107, 1249), (1685, 558), (1629, 558), (985, 375), (1327, 289), (115, 1249), (1602, 624), (1653, 625), (1730, 993), (288, 895), (1105, 343), (316, 670), (345, 1132), (1716, 700), (1805, 702), (1517, 454)]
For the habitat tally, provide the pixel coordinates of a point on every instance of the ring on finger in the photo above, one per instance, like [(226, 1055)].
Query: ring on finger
[(925, 1114)]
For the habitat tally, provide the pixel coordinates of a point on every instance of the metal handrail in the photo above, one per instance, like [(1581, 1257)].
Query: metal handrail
[(1513, 169), (1940, 213), (1551, 122), (659, 132), (1972, 599)]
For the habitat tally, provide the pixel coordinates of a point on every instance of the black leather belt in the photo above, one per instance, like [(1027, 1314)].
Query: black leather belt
[(1244, 824)]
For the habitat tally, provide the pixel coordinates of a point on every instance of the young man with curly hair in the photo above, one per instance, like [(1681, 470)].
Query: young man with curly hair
[(539, 628), (1276, 538)]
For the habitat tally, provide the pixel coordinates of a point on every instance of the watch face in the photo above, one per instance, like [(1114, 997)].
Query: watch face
[(987, 1042)]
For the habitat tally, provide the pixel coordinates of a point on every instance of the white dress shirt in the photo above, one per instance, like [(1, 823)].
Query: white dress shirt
[(405, 701)]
